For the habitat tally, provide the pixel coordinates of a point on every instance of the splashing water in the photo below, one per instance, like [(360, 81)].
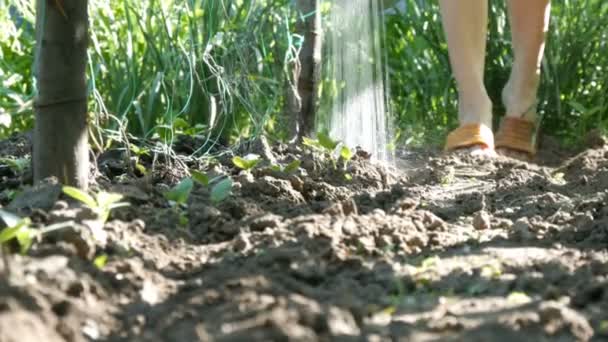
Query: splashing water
[(360, 111)]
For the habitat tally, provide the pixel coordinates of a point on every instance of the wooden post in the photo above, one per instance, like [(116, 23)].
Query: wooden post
[(61, 129), (309, 25)]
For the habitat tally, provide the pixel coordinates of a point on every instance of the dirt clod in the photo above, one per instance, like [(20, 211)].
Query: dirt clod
[(482, 220)]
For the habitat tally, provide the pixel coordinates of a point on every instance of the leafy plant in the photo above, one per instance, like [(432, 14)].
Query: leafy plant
[(289, 168), (20, 229), (102, 204), (335, 150), (18, 165), (200, 178), (180, 192), (221, 190), (323, 142), (326, 142), (17, 228), (246, 163), (139, 152), (101, 261)]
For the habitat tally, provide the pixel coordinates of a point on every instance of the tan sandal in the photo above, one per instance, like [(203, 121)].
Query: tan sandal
[(470, 135), (517, 134)]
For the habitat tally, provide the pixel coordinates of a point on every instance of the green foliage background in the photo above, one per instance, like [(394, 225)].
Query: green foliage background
[(217, 69)]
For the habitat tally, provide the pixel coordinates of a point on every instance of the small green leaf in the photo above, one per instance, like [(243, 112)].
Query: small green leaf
[(10, 194), (346, 153), (20, 231), (18, 165), (142, 169), (80, 196), (9, 233), (276, 168), (105, 199), (138, 151), (179, 124), (164, 132), (200, 178), (181, 192), (578, 107), (101, 261), (311, 142), (293, 166), (327, 142), (348, 176), (183, 220), (118, 205), (25, 236), (221, 190), (247, 163)]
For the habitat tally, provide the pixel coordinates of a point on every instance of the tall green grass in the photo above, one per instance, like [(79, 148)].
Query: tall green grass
[(209, 68)]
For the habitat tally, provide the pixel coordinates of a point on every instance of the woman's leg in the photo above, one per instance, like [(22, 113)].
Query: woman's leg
[(529, 22), (465, 24)]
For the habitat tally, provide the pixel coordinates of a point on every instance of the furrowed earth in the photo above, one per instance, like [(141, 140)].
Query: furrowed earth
[(436, 248)]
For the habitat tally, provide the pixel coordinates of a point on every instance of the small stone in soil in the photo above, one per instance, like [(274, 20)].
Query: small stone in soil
[(481, 221), (522, 230)]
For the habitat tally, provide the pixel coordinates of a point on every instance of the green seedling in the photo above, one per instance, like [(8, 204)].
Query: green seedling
[(221, 190), (326, 142), (182, 219), (17, 228), (20, 229), (332, 148), (312, 143), (138, 152), (181, 192), (101, 261), (289, 168), (200, 178), (18, 165), (9, 194), (323, 143), (246, 163), (292, 167), (346, 154), (102, 204)]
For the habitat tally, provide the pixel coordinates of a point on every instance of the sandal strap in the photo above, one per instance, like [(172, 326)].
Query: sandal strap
[(517, 134), (470, 135)]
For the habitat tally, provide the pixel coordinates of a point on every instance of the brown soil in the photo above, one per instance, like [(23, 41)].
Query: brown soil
[(439, 248)]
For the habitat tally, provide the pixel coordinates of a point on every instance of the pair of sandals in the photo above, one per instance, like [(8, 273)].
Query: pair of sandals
[(515, 134)]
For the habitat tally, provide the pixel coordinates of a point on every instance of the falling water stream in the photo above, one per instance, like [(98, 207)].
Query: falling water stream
[(356, 64)]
